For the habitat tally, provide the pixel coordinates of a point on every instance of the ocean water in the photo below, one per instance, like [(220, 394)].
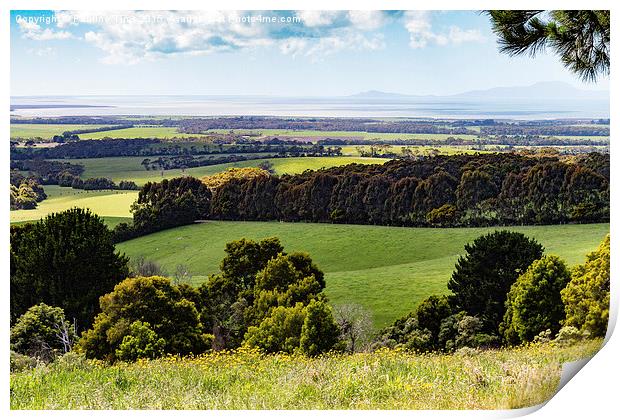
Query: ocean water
[(407, 107)]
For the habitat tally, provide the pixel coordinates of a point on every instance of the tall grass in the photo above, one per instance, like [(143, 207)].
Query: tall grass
[(245, 379)]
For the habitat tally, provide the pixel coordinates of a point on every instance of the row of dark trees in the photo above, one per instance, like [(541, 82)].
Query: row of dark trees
[(85, 149), (444, 191)]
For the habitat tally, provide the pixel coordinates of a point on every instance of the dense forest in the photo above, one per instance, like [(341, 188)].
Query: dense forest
[(440, 191)]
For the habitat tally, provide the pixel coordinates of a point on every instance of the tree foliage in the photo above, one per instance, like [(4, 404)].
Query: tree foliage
[(579, 37), (65, 260), (534, 303), (484, 275), (586, 297), (153, 301), (39, 332)]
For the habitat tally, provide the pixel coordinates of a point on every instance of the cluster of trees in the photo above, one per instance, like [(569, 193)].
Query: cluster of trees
[(47, 171), (166, 204), (67, 179), (26, 191), (66, 260), (65, 174), (459, 190), (505, 291), (60, 266)]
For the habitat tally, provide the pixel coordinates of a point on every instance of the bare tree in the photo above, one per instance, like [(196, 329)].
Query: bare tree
[(146, 268), (181, 274), (355, 324), (66, 334)]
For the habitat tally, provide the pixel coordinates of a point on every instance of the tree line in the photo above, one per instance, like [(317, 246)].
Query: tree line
[(459, 190), (85, 149)]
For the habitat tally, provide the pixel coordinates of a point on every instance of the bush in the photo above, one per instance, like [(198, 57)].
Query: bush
[(462, 330), (569, 336), (20, 362), (485, 274), (430, 312), (152, 300), (141, 343), (65, 260), (534, 303), (42, 332), (586, 297)]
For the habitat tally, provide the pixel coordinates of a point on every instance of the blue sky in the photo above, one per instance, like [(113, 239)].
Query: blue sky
[(279, 53)]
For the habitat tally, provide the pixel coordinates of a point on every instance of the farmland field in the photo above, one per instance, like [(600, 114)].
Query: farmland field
[(494, 379), (388, 270), (129, 168), (47, 131), (361, 135), (104, 203), (137, 132)]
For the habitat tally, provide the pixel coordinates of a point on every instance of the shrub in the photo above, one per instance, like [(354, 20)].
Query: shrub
[(152, 300), (534, 303), (141, 343), (42, 332), (431, 311), (586, 297), (20, 362), (484, 275), (462, 330), (570, 335), (65, 260)]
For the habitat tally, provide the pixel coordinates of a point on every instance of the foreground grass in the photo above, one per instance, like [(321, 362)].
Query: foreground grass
[(388, 270), (497, 379)]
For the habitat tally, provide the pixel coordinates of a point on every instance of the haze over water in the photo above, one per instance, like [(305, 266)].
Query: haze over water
[(352, 106)]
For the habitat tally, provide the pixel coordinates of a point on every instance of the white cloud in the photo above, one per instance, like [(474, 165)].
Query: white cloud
[(33, 30), (130, 37), (421, 32)]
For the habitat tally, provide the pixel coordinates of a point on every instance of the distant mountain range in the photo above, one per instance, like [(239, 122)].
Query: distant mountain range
[(542, 90)]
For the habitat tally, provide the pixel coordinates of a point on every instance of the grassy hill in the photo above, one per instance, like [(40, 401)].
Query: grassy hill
[(494, 379), (388, 270), (110, 203)]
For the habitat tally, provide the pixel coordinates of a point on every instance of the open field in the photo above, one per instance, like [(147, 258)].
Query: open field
[(350, 150), (129, 168), (140, 131), (104, 203), (361, 135), (47, 131), (494, 379), (388, 270)]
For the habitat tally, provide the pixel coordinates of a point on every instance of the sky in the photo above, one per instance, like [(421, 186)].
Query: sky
[(279, 53)]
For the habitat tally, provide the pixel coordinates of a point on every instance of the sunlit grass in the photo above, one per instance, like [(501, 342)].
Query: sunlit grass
[(245, 379)]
